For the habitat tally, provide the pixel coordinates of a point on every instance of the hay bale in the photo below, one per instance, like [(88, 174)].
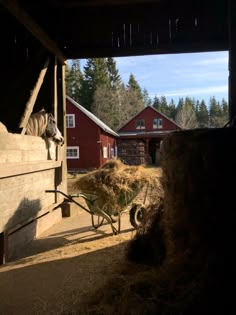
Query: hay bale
[(114, 185), (148, 246), (195, 230), (198, 172)]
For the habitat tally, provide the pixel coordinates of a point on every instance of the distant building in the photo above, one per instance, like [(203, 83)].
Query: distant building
[(140, 137), (90, 142)]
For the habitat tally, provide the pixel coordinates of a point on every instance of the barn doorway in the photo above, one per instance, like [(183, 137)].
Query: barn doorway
[(154, 146)]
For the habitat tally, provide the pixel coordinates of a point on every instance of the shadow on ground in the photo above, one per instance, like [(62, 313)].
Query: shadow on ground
[(57, 286)]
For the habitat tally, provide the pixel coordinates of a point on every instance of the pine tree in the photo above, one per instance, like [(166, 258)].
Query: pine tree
[(180, 104), (74, 78), (133, 85), (113, 74), (172, 109), (156, 103), (164, 106), (95, 75), (225, 110), (214, 113), (202, 115), (69, 80), (146, 99)]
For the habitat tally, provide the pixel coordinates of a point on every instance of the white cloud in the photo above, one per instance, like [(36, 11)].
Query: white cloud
[(194, 91), (139, 61), (126, 62), (213, 61)]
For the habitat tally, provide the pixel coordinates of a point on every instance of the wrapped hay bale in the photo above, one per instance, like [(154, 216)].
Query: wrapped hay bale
[(114, 185)]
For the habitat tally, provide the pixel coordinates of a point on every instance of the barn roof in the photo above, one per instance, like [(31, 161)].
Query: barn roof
[(101, 28), (152, 108), (95, 119)]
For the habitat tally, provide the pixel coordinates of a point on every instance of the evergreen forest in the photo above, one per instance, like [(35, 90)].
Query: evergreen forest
[(99, 88)]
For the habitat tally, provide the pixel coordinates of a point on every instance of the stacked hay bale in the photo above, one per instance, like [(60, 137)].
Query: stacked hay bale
[(115, 185), (194, 230)]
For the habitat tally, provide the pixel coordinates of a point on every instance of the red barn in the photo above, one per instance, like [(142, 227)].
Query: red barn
[(140, 138), (90, 142)]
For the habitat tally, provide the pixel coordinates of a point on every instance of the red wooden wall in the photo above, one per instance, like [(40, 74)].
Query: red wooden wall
[(90, 139), (148, 114)]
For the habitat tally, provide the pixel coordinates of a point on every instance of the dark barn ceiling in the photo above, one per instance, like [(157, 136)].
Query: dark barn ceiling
[(83, 29)]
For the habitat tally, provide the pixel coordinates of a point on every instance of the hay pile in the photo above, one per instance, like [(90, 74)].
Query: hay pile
[(115, 185), (188, 240)]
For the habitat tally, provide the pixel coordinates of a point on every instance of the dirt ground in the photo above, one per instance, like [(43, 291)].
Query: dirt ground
[(56, 272)]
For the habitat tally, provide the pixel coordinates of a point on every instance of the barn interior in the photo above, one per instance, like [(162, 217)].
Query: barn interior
[(34, 30), (38, 35)]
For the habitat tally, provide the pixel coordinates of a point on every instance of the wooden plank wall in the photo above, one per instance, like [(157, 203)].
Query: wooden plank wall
[(25, 174), (132, 151)]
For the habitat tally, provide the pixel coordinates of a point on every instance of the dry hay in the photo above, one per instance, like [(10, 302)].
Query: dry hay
[(148, 245), (114, 185), (191, 236)]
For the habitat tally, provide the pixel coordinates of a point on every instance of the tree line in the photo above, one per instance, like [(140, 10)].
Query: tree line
[(99, 88)]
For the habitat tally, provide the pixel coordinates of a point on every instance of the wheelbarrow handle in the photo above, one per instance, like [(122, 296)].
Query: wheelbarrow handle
[(70, 198), (60, 192)]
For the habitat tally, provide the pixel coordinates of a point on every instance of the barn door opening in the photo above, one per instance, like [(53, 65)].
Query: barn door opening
[(154, 151)]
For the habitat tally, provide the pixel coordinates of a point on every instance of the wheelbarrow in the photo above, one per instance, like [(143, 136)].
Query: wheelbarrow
[(99, 214)]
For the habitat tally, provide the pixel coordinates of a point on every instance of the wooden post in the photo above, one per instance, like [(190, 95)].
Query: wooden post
[(3, 247), (55, 89), (55, 101), (147, 150), (61, 173), (30, 104), (232, 61), (64, 163)]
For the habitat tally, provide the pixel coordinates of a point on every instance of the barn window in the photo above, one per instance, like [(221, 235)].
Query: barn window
[(112, 152), (105, 152), (157, 123), (70, 121), (72, 153), (140, 124)]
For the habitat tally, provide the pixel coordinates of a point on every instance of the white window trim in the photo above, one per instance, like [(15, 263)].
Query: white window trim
[(105, 155), (158, 126), (72, 157), (139, 126), (73, 119)]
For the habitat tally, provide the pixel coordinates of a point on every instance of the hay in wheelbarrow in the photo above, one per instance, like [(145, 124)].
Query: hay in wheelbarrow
[(115, 185)]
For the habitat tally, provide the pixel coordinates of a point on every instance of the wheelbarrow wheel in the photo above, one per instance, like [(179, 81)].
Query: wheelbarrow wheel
[(97, 221), (136, 215)]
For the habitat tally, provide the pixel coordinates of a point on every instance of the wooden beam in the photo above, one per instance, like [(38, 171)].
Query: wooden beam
[(232, 61), (55, 90), (24, 18), (30, 104)]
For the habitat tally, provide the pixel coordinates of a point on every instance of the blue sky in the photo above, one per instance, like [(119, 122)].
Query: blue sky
[(197, 75)]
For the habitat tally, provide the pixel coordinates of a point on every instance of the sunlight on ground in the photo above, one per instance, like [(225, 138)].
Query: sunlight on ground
[(68, 251)]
